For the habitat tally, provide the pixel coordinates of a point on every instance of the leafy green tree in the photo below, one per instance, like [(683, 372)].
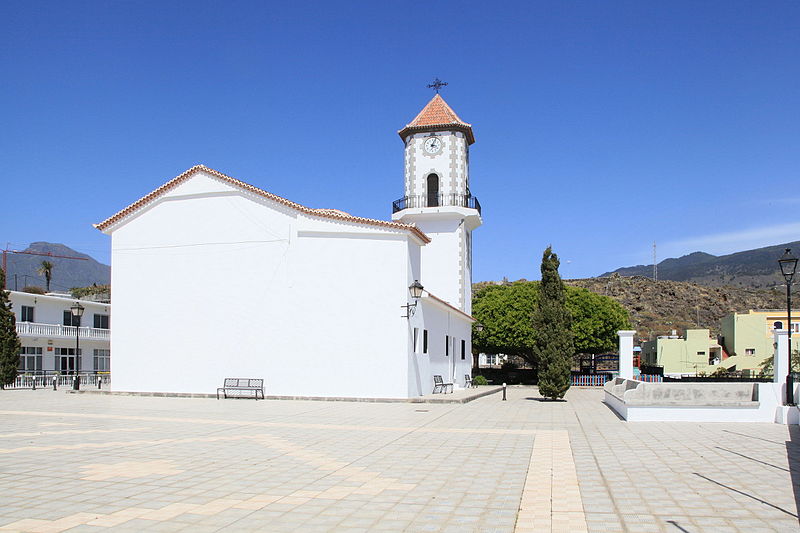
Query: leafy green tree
[(553, 324), (9, 342), (595, 321), (46, 270), (507, 312)]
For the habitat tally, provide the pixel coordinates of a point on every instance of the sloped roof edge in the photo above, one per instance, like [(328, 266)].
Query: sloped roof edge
[(322, 213), (449, 305), (437, 115)]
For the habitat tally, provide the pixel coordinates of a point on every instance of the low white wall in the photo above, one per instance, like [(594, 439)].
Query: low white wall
[(765, 410)]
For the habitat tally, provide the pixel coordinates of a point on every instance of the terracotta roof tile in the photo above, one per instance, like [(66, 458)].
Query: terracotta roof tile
[(324, 213), (437, 116)]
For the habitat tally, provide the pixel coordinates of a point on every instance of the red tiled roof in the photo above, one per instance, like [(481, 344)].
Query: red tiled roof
[(437, 116), (324, 213)]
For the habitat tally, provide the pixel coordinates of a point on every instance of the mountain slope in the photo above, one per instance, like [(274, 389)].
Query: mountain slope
[(67, 273), (661, 306), (751, 268)]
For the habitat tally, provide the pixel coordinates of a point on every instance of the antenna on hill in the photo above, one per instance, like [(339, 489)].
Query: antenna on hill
[(655, 264)]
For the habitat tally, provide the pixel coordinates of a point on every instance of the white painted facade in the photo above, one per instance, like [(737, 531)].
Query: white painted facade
[(48, 337), (312, 299)]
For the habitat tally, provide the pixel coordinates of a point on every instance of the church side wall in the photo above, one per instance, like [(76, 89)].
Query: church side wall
[(446, 330), (442, 258), (349, 289), (210, 283)]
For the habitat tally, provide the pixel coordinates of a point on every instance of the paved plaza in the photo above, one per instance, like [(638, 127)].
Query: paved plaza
[(85, 462)]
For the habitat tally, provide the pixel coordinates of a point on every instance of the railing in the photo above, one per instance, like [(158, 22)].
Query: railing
[(436, 200), (57, 330), (590, 380), (649, 378), (45, 380)]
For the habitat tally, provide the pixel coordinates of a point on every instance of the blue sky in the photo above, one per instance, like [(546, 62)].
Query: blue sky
[(600, 127)]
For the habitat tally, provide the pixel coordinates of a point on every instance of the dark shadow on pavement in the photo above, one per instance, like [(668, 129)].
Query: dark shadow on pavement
[(615, 412), (737, 491), (547, 400), (793, 456), (674, 523), (752, 459)]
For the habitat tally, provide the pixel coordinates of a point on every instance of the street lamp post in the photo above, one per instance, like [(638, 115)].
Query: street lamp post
[(788, 264), (77, 312)]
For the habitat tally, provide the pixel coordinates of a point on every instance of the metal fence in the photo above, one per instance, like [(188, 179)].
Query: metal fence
[(600, 379), (590, 380)]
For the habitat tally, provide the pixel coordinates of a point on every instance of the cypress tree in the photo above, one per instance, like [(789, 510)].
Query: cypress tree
[(9, 342), (552, 323)]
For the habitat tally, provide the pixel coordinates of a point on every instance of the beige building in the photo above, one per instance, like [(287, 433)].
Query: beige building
[(692, 353)]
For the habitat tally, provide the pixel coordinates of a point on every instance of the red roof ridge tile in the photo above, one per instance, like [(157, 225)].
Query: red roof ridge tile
[(324, 213)]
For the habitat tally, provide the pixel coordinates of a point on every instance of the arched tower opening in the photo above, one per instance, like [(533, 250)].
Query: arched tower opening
[(432, 188)]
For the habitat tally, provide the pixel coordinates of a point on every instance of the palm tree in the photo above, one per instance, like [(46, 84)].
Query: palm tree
[(46, 270)]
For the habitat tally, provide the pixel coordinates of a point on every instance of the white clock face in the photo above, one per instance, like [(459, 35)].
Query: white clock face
[(433, 145)]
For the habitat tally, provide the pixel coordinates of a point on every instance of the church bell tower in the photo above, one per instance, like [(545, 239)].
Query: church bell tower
[(439, 201)]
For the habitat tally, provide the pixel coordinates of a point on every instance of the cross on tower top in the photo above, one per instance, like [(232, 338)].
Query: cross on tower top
[(436, 85)]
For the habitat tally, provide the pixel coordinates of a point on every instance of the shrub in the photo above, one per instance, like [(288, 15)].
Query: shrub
[(508, 365), (479, 380), (33, 290)]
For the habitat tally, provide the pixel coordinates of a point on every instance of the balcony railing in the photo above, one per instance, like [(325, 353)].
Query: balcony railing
[(44, 380), (33, 329), (437, 200)]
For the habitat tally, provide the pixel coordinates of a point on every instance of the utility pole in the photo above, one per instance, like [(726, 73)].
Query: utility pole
[(26, 252)]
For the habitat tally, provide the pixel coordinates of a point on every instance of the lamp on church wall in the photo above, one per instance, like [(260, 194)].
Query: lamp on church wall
[(416, 290)]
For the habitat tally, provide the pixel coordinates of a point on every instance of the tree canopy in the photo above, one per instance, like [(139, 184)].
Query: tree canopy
[(507, 313)]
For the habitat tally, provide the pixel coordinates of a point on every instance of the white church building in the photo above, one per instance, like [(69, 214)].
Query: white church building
[(315, 300)]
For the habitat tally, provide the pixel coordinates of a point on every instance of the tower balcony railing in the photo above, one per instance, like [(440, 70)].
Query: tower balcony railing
[(437, 200)]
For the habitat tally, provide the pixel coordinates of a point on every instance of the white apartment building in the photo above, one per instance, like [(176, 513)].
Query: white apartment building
[(47, 332)]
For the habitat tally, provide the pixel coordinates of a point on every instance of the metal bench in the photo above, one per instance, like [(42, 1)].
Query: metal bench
[(468, 381), (242, 385), (441, 386)]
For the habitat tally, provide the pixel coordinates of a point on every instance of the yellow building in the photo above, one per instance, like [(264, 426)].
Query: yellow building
[(750, 334), (746, 340)]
